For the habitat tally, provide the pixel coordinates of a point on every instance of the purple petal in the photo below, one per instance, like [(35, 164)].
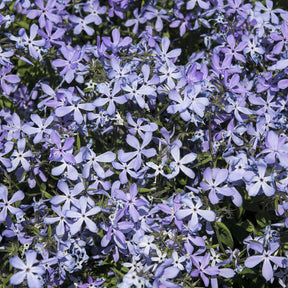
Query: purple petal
[(18, 278), (181, 214), (106, 157), (16, 262), (267, 270), (91, 225), (252, 261), (18, 196)]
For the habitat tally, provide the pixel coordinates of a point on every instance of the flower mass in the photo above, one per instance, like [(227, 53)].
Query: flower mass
[(143, 143)]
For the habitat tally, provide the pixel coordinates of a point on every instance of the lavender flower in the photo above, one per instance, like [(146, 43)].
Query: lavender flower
[(82, 216), (6, 204), (266, 257), (29, 270)]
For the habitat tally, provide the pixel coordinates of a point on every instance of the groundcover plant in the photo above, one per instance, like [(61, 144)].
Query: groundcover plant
[(143, 144)]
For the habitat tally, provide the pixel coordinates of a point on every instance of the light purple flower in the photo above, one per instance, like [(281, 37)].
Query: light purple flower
[(40, 130), (74, 106), (62, 152), (277, 148), (33, 44), (193, 211), (233, 51), (259, 183), (130, 201), (19, 157), (179, 163), (83, 216), (191, 4), (6, 78), (94, 9), (139, 126), (54, 37), (29, 270), (48, 13), (135, 22), (147, 244), (133, 92), (110, 98), (213, 178), (82, 24), (169, 72), (152, 12), (5, 204), (91, 282), (134, 142), (202, 267), (72, 68), (69, 195), (266, 257), (117, 42), (163, 53), (92, 161), (61, 218)]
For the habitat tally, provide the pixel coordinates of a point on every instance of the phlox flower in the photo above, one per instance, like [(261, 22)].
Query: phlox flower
[(266, 257), (83, 216), (5, 204), (277, 148), (192, 210), (28, 270)]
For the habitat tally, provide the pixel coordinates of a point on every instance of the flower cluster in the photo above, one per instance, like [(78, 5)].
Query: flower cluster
[(143, 143)]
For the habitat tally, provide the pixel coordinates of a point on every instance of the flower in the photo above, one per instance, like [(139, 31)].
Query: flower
[(6, 204), (82, 24), (202, 267), (19, 157), (130, 201), (276, 148), (110, 98), (134, 142), (163, 53), (74, 105), (33, 44), (60, 228), (40, 130), (91, 283), (266, 257), (29, 270), (193, 211), (71, 64), (47, 14), (213, 178), (117, 42), (6, 78), (178, 164), (259, 183), (191, 4), (62, 152), (147, 244), (82, 216)]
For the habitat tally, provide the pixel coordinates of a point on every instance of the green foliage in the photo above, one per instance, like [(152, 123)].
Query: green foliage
[(224, 235)]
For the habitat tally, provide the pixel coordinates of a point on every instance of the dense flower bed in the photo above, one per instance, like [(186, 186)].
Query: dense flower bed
[(143, 144)]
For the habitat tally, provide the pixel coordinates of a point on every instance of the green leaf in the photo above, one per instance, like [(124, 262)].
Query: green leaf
[(225, 235), (262, 222), (47, 195), (78, 142), (49, 230), (251, 227), (5, 102), (144, 190), (24, 24), (182, 181), (206, 160)]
